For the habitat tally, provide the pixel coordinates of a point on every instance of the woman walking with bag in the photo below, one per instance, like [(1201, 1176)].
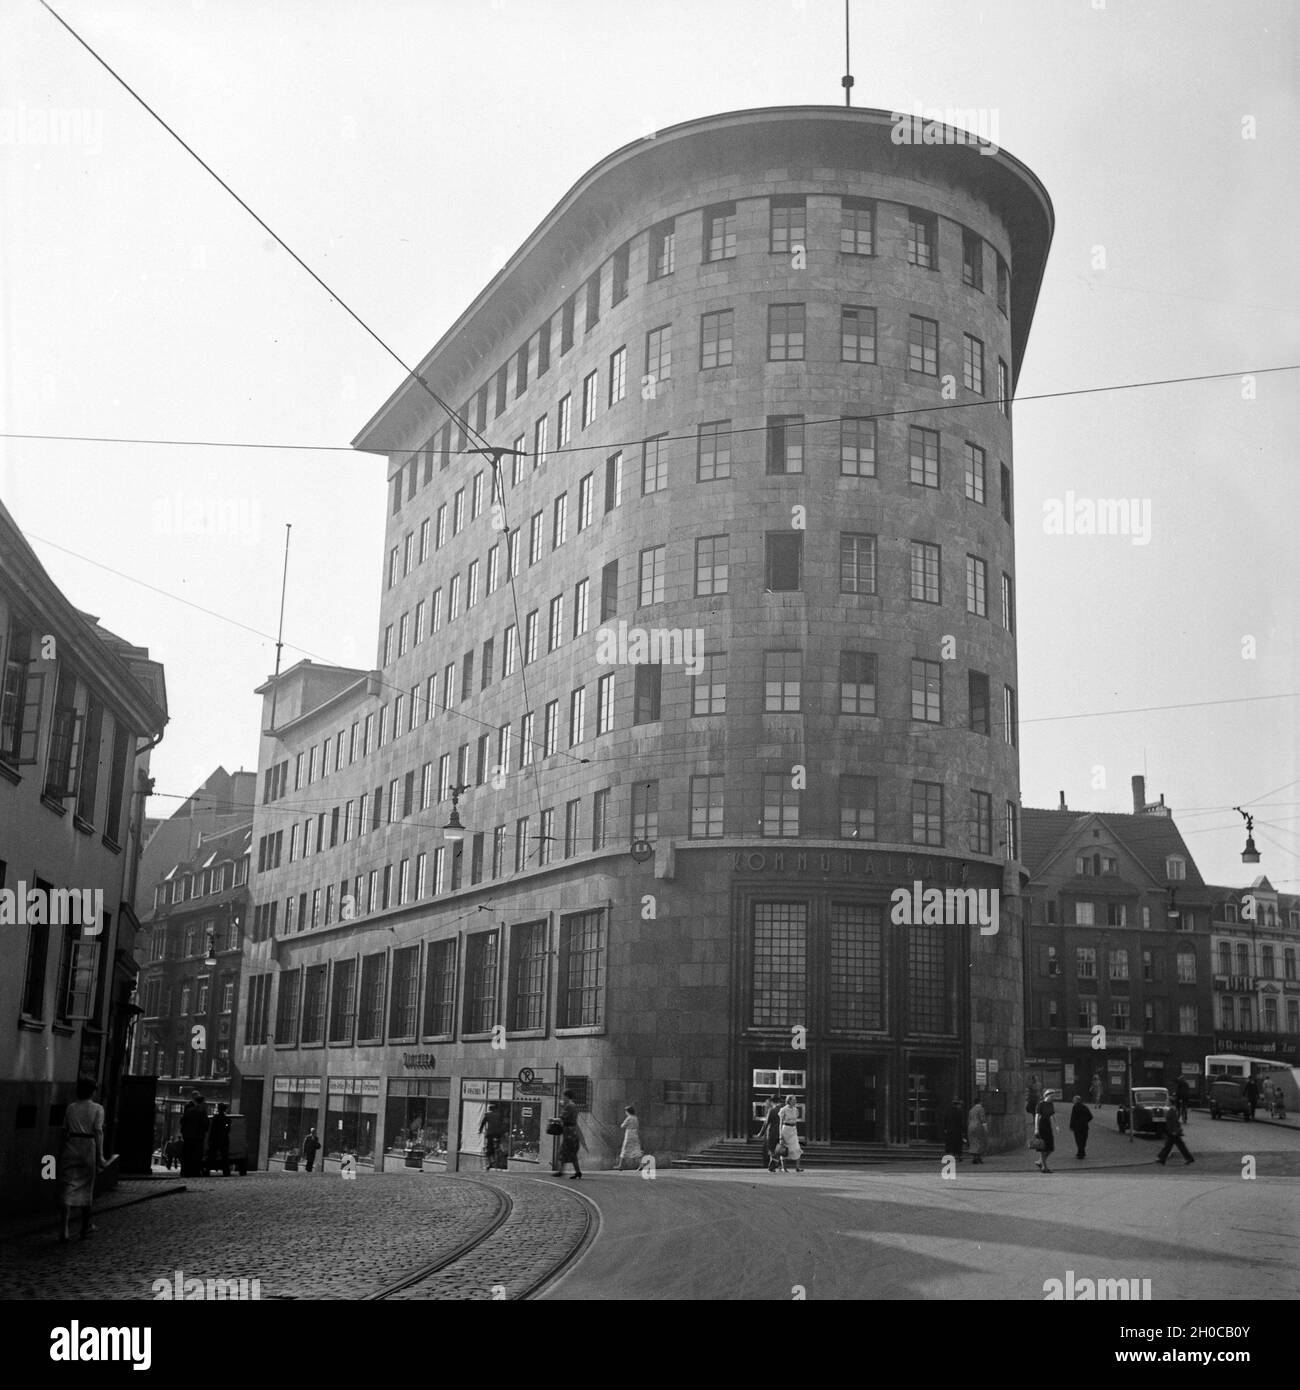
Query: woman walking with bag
[(570, 1138), (790, 1136), (1044, 1131), (629, 1156), (80, 1158)]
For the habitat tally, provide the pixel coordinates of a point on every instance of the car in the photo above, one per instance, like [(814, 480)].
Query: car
[(1228, 1097), (1149, 1106)]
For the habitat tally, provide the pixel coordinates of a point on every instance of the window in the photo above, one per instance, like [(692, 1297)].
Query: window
[(1085, 914), (706, 808), (709, 688), (609, 590), (922, 236), (1006, 492), (717, 338), (659, 353), (711, 566), (1008, 604), (779, 979), (512, 554), (581, 1001), (521, 371), (780, 806), (653, 570), (1187, 1015), (585, 485), (972, 364), (404, 991), (580, 606), (1118, 961), (286, 1013), (713, 451), (927, 691), (927, 813), (977, 572), (857, 335), (857, 564), (605, 704), (519, 452), (550, 728), (857, 447), (1013, 831), (663, 249), (857, 807), (923, 449), (1085, 962), (973, 472), (1003, 287), (977, 694), (481, 981), (784, 561), (785, 443), (530, 638), (613, 482), (857, 683), (972, 260), (618, 277), (1004, 389), (857, 227), (1175, 867), (785, 332), (647, 693), (564, 422), (645, 811), (981, 822), (560, 521), (527, 996), (63, 763), (589, 386), (535, 537), (1186, 968), (617, 375), (577, 715), (720, 232), (1009, 715), (1087, 1014), (439, 988), (566, 326), (654, 467), (925, 572), (572, 810), (923, 345), (453, 599), (21, 698)]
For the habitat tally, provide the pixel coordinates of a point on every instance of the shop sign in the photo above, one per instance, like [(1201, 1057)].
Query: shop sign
[(354, 1086), (473, 1090), (888, 870), (420, 1061), (309, 1085)]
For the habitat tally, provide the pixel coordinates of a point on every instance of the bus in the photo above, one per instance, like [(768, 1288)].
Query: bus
[(1264, 1071)]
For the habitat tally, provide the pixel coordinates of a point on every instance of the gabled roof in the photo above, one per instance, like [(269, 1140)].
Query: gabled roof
[(1150, 840)]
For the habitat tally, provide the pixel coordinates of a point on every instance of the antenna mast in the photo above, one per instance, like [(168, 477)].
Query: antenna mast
[(279, 636), (847, 80)]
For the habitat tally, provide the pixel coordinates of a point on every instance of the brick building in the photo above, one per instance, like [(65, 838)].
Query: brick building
[(1117, 938), (724, 652)]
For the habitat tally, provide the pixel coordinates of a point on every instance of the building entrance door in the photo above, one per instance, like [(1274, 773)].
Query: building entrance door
[(931, 1086), (859, 1098)]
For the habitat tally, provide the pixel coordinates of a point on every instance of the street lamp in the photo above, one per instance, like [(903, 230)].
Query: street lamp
[(454, 831), (1249, 855)]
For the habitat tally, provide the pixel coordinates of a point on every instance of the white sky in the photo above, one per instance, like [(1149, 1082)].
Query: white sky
[(405, 149)]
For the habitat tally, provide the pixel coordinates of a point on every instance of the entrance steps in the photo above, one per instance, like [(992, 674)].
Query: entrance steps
[(748, 1153)]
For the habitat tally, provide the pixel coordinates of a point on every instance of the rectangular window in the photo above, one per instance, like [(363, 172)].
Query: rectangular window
[(782, 682), (857, 227), (593, 301), (647, 693), (560, 521), (927, 813), (527, 996), (600, 819), (706, 808), (618, 375), (577, 715), (663, 249), (981, 822), (858, 797), (530, 638), (788, 224), (481, 981), (286, 1013), (580, 606), (654, 467), (785, 443), (717, 339), (972, 364), (1004, 287), (785, 332), (535, 537), (923, 345), (1006, 492), (1008, 604), (1009, 715), (779, 961), (925, 572), (1004, 389), (857, 564), (521, 844), (619, 272), (590, 385), (572, 812), (521, 371), (585, 487), (605, 704), (972, 260), (566, 325), (923, 449), (712, 566), (922, 238), (720, 232), (713, 451), (654, 568), (857, 447), (857, 683), (404, 992), (564, 426), (977, 581), (857, 335), (453, 599), (582, 970), (645, 811), (709, 688), (973, 472), (550, 728), (614, 481), (609, 591), (783, 569), (780, 807), (977, 695), (659, 354)]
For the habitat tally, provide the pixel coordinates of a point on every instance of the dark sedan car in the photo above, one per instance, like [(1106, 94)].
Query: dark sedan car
[(1149, 1106)]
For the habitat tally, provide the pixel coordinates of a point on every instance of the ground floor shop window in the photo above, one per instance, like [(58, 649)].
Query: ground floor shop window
[(417, 1119), (523, 1116), (351, 1115), (294, 1106)]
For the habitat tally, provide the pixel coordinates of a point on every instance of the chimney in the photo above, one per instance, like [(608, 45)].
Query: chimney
[(1062, 806), (1139, 795)]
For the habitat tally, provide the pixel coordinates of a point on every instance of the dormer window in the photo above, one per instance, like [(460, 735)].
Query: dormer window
[(1175, 867), (1230, 913)]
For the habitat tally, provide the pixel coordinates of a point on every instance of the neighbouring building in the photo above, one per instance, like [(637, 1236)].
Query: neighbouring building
[(79, 711), (1117, 950), (1254, 947), (722, 650)]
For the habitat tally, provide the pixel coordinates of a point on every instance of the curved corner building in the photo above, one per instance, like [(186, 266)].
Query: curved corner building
[(756, 372)]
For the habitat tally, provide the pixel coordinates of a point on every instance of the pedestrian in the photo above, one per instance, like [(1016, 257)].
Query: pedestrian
[(1080, 1119), (1280, 1096), (219, 1140), (977, 1132), (629, 1156), (1183, 1094), (1095, 1090), (954, 1129), (194, 1125), (1173, 1136), (492, 1127), (771, 1134), (1032, 1096), (309, 1147), (174, 1151), (790, 1135), (570, 1137), (81, 1157), (1251, 1093), (1045, 1130)]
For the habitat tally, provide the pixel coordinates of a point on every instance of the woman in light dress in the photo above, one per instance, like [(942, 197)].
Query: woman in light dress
[(790, 1135), (80, 1159), (629, 1156), (977, 1132)]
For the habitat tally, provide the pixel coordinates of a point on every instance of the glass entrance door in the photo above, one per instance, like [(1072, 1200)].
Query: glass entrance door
[(931, 1086)]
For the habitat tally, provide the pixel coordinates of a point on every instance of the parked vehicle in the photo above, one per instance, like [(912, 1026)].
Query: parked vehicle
[(1149, 1106), (1228, 1097)]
